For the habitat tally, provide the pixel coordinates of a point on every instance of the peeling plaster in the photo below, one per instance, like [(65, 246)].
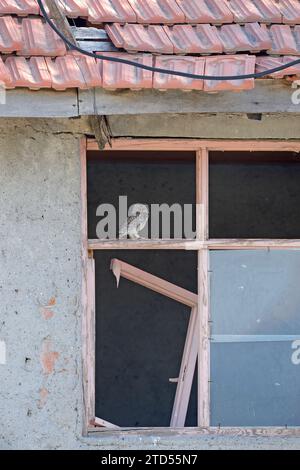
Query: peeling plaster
[(47, 311), (43, 397), (48, 357)]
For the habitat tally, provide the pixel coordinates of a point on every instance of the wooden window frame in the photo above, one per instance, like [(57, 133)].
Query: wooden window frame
[(203, 245)]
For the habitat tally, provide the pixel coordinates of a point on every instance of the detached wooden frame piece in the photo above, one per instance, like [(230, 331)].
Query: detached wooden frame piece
[(203, 245), (190, 353)]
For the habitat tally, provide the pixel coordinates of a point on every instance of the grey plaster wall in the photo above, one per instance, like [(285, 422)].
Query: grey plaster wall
[(40, 276), (40, 308), (208, 126)]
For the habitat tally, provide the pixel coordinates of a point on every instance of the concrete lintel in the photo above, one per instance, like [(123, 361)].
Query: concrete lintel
[(38, 104), (268, 96)]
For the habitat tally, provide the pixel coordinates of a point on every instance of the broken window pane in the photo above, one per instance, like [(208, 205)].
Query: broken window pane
[(140, 337)]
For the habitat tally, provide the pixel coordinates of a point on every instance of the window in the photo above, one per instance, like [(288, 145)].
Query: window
[(255, 330), (140, 337), (255, 302), (254, 195), (199, 325)]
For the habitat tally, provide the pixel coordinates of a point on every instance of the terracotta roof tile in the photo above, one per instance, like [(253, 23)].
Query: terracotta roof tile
[(117, 75), (195, 65), (230, 65), (32, 73), (108, 11), (75, 71), (168, 11), (267, 63), (10, 35), (75, 8), (297, 36), (66, 73), (283, 40), (71, 8), (269, 10), (19, 7), (251, 37), (244, 11), (32, 36), (258, 36), (5, 76), (294, 70), (206, 11), (40, 39), (157, 11), (91, 69), (234, 38), (137, 37), (290, 10), (163, 28), (201, 39)]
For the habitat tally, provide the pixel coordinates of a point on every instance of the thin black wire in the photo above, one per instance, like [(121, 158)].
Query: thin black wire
[(157, 69)]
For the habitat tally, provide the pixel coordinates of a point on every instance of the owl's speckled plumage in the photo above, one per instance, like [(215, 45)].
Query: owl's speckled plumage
[(139, 213)]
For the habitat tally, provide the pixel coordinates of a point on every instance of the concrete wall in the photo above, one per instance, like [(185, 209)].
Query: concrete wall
[(40, 276), (208, 126), (40, 299)]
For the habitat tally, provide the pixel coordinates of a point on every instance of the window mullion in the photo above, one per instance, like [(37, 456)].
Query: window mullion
[(202, 219)]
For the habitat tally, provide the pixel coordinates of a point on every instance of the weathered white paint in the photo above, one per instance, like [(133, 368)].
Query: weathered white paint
[(296, 353), (2, 353), (255, 338)]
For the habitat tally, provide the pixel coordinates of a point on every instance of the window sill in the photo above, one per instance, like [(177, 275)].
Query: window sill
[(212, 431)]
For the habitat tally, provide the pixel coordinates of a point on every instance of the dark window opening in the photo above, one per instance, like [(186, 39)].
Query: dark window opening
[(140, 337), (140, 334), (254, 195), (147, 178)]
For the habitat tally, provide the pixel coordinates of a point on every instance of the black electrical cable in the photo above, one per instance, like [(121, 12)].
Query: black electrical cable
[(157, 69)]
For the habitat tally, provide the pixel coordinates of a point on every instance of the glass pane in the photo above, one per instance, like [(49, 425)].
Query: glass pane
[(255, 346)]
